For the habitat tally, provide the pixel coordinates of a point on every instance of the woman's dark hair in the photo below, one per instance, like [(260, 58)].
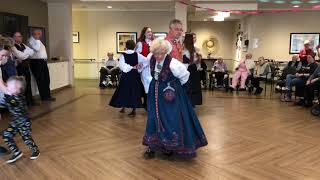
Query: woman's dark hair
[(130, 45), (188, 44), (143, 34)]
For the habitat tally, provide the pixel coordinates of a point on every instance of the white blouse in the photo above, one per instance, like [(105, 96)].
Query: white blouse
[(22, 55), (124, 67), (178, 69)]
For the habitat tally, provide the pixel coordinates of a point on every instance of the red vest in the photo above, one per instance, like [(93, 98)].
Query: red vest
[(145, 49)]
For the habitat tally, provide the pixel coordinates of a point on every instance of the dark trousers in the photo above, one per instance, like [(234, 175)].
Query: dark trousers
[(256, 81), (24, 129), (309, 91), (104, 73), (220, 78), (23, 69), (40, 72)]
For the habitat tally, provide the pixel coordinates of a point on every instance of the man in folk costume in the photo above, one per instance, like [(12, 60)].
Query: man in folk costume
[(175, 39), (22, 54)]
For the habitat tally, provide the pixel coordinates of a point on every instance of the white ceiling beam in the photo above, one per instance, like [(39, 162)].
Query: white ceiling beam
[(229, 6)]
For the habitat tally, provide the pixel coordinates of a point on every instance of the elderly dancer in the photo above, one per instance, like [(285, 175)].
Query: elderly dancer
[(172, 125)]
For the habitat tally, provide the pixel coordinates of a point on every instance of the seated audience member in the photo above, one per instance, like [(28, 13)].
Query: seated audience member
[(312, 84), (307, 50), (299, 79), (243, 70), (111, 68), (219, 70), (292, 67), (262, 72)]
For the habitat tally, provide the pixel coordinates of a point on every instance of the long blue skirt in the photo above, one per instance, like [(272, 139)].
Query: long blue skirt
[(172, 124)]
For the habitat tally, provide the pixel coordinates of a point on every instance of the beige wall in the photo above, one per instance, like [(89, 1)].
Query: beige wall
[(223, 31), (98, 29), (273, 32), (36, 10)]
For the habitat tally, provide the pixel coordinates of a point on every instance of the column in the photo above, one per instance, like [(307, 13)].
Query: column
[(60, 33), (181, 14)]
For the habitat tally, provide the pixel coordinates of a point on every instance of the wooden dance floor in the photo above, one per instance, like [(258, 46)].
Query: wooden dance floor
[(80, 137)]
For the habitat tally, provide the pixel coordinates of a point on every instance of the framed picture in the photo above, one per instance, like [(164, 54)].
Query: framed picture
[(122, 38), (297, 41), (43, 33), (160, 35), (76, 37)]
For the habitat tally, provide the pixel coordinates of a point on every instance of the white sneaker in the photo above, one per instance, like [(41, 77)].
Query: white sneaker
[(278, 87)]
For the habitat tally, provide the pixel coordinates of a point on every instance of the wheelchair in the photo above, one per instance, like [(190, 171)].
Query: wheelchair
[(110, 80)]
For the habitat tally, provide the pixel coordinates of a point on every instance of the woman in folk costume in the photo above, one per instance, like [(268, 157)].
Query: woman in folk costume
[(190, 58), (143, 47), (172, 125), (128, 94)]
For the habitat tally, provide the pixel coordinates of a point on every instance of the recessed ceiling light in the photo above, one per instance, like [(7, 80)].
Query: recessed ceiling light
[(218, 18), (296, 2), (109, 7), (279, 2), (296, 6)]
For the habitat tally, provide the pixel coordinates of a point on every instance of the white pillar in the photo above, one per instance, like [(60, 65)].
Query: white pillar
[(181, 14), (60, 32)]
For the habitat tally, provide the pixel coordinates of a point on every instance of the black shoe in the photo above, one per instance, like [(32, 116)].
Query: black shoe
[(14, 157), (35, 155), (132, 114), (52, 99), (149, 154), (242, 89), (301, 102), (169, 153), (123, 110), (308, 104), (231, 89)]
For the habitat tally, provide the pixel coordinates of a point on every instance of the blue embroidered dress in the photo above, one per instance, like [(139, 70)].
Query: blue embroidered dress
[(172, 124)]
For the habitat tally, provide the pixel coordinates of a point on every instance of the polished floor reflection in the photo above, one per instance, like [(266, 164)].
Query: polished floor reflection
[(249, 138)]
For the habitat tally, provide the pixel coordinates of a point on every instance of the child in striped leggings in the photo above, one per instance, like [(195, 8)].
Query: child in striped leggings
[(14, 101)]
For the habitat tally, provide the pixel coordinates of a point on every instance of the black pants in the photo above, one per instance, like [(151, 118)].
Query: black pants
[(309, 91), (220, 78), (40, 72), (23, 69), (256, 81), (104, 73)]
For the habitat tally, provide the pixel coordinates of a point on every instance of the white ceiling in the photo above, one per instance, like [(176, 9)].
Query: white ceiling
[(194, 14)]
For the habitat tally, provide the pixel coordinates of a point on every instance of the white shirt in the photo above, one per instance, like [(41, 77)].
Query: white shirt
[(112, 62), (40, 51), (178, 69), (124, 67), (139, 45), (22, 55)]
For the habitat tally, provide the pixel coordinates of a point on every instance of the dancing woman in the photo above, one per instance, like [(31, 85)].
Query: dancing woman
[(172, 125), (128, 94)]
